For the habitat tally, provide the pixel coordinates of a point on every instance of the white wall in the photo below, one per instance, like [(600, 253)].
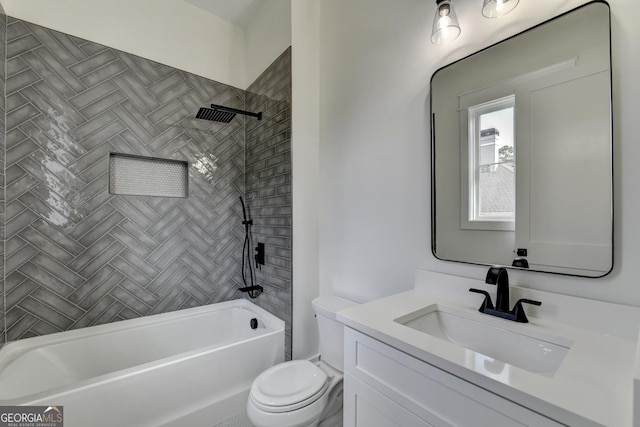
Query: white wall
[(375, 64), (267, 35), (305, 173), (374, 153), (171, 32)]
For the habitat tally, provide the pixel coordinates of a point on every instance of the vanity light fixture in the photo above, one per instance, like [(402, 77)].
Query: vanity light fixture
[(445, 23), (497, 8)]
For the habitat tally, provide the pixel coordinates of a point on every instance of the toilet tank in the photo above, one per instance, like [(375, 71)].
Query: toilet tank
[(330, 331)]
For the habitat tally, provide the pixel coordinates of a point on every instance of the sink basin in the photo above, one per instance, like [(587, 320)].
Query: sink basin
[(524, 346)]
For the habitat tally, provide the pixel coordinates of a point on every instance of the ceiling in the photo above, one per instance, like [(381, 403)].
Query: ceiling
[(237, 12)]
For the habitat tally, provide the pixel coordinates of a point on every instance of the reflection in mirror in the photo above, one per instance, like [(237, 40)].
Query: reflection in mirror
[(522, 150)]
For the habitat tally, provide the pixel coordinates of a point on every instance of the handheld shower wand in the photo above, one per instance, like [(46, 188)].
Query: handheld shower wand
[(253, 290), (244, 215)]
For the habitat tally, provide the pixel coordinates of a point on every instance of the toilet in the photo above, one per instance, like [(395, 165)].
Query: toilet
[(300, 393)]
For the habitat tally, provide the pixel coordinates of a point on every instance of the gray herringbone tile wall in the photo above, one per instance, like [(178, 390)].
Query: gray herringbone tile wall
[(268, 185), (3, 56), (77, 255)]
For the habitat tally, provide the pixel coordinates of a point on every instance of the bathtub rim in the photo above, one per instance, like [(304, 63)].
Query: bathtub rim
[(270, 320)]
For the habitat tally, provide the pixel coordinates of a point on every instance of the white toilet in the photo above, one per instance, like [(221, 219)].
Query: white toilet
[(300, 393)]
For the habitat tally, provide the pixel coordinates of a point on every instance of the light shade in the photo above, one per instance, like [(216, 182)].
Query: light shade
[(445, 24), (496, 8)]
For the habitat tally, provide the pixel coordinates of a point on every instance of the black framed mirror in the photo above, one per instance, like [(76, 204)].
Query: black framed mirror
[(522, 165)]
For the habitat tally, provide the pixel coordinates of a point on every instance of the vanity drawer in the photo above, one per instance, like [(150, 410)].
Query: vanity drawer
[(432, 394)]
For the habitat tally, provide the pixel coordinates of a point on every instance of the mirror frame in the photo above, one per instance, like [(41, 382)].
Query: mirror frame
[(611, 148)]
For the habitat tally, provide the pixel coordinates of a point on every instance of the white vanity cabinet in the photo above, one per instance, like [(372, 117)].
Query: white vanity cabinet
[(385, 387)]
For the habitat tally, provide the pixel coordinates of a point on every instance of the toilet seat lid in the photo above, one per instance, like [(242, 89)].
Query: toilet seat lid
[(288, 383)]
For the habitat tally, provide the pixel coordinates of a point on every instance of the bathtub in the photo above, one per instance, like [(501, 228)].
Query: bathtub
[(191, 367)]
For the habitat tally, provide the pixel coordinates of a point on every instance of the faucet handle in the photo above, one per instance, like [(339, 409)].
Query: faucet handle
[(529, 301), (518, 311), (486, 304)]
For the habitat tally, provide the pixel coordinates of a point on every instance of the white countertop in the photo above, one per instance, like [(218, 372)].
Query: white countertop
[(592, 386)]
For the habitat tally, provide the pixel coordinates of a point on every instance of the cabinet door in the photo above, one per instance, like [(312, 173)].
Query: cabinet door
[(366, 407), (428, 393)]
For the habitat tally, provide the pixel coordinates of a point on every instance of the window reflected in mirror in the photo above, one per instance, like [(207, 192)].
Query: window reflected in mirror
[(492, 162)]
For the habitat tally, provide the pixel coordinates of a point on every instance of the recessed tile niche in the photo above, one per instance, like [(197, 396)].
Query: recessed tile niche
[(147, 176)]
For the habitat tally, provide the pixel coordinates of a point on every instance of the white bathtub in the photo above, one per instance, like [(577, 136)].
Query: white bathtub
[(191, 367)]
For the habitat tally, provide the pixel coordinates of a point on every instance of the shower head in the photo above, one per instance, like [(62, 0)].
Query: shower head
[(215, 115), (220, 113)]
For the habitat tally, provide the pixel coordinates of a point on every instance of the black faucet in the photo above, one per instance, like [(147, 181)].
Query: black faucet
[(498, 276)]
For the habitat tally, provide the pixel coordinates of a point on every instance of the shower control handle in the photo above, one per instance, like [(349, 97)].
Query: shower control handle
[(259, 256)]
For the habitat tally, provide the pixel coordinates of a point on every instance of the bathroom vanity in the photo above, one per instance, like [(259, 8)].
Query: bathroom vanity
[(427, 357)]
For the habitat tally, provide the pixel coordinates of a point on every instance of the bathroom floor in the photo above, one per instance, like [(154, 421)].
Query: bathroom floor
[(238, 421)]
